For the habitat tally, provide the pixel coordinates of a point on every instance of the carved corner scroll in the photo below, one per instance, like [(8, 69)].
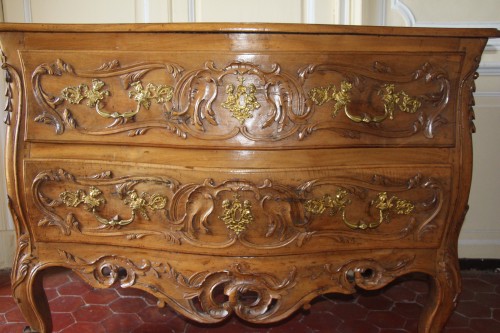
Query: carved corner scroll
[(260, 104), (218, 215)]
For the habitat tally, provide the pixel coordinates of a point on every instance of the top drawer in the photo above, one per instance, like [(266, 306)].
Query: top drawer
[(231, 99)]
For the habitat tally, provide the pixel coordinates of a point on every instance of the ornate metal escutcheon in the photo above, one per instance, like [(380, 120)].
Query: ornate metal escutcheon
[(237, 215), (241, 101)]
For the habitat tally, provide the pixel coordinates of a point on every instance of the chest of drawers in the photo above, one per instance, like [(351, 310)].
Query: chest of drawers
[(239, 169)]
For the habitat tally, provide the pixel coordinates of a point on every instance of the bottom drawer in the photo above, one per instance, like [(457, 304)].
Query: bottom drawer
[(231, 212)]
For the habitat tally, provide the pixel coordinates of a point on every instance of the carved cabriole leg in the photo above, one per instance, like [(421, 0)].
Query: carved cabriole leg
[(27, 283), (445, 285), (28, 292), (444, 289), (33, 304)]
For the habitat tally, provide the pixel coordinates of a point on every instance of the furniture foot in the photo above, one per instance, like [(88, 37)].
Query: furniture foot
[(442, 299), (28, 329), (30, 296)]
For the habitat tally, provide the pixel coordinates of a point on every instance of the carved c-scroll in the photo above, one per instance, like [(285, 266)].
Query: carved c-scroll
[(183, 292)]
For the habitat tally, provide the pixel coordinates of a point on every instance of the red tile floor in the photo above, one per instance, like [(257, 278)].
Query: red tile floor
[(78, 308)]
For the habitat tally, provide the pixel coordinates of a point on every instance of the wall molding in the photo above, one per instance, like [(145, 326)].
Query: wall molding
[(344, 10), (479, 242), (147, 9), (191, 10), (381, 13), (489, 69), (405, 12), (28, 16), (309, 11), (142, 11), (350, 12)]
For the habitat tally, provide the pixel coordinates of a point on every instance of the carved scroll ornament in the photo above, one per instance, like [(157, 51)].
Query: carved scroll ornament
[(268, 105), (253, 295), (198, 214), (184, 293)]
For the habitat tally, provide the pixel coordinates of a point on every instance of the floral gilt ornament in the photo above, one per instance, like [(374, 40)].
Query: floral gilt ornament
[(237, 215), (241, 101)]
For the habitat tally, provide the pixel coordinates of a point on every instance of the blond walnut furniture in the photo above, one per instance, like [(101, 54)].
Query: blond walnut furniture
[(236, 169)]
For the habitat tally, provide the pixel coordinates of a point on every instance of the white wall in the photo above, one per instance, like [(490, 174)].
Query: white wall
[(480, 237)]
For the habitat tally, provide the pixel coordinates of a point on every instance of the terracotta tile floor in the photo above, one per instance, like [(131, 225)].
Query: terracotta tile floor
[(77, 308)]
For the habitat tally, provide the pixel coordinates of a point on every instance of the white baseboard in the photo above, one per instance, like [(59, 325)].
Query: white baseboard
[(7, 248), (484, 244)]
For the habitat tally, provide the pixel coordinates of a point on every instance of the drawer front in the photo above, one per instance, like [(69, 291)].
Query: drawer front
[(258, 101), (255, 212)]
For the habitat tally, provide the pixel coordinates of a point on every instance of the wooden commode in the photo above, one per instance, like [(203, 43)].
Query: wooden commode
[(239, 169)]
